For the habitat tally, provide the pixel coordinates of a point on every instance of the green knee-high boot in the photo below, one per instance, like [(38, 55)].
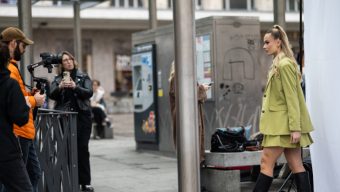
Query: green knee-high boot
[(263, 183)]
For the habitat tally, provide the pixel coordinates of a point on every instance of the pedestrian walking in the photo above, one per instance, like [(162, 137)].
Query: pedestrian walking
[(13, 109), (25, 133), (284, 121)]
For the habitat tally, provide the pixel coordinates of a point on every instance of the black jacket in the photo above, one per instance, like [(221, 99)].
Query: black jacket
[(79, 97), (13, 109)]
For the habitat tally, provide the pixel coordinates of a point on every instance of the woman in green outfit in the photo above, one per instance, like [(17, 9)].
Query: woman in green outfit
[(284, 121)]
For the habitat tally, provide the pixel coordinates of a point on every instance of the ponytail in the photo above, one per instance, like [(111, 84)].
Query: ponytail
[(285, 46), (279, 33)]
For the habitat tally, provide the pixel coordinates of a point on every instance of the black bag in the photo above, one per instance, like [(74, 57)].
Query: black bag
[(227, 140)]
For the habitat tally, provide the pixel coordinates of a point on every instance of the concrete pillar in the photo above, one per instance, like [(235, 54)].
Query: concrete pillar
[(186, 94), (77, 32), (25, 24), (152, 14), (280, 13)]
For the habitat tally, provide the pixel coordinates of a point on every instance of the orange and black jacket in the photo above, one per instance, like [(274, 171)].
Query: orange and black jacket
[(13, 109), (27, 131)]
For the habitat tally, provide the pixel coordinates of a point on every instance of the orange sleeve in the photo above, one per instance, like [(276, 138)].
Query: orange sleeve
[(16, 75)]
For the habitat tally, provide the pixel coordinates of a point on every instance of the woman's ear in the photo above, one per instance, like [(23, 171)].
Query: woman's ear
[(279, 43)]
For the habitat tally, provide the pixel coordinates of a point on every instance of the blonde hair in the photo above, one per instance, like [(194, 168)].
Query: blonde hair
[(172, 71), (279, 33)]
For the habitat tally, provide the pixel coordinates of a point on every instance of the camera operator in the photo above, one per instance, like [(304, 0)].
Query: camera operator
[(72, 90), (13, 108), (17, 42)]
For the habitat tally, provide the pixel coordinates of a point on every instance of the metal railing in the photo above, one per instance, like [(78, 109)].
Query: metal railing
[(56, 142)]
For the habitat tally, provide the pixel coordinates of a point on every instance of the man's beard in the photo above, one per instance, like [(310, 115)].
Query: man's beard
[(17, 54)]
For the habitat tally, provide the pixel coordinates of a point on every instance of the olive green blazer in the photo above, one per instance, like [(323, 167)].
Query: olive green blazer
[(283, 108)]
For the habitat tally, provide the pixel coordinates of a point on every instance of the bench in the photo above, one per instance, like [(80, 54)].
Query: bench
[(107, 132), (215, 179)]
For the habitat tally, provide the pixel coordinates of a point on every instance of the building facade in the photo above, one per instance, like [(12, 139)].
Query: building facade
[(107, 27)]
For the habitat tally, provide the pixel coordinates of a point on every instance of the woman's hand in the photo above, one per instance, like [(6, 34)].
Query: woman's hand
[(70, 84), (206, 87), (295, 137), (62, 84)]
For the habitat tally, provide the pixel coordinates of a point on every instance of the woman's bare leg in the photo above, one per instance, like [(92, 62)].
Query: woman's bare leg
[(268, 159), (294, 160)]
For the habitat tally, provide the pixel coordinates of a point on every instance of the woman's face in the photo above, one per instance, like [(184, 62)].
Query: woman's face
[(68, 63), (270, 45), (95, 86)]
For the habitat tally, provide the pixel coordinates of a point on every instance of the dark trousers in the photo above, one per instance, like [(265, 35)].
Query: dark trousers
[(14, 177), (84, 132), (31, 161), (99, 117)]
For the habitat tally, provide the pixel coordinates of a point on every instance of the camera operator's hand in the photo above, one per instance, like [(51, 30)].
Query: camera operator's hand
[(28, 102), (34, 90), (39, 99)]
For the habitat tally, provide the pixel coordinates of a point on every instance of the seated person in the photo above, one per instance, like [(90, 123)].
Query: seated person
[(98, 107)]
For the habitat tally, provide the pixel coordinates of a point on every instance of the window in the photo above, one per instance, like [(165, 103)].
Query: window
[(238, 4), (169, 4), (198, 4), (127, 3), (140, 3), (292, 5), (10, 2), (131, 2), (121, 3)]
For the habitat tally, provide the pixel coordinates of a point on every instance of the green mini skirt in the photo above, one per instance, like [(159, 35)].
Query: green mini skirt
[(284, 141)]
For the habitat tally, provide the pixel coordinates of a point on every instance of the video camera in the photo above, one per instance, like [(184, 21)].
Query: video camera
[(48, 60)]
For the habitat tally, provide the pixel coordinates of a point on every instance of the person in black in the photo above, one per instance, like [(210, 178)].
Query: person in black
[(98, 108), (13, 109), (72, 92)]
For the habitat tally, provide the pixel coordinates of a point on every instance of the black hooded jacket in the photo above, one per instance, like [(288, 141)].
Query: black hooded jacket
[(13, 109)]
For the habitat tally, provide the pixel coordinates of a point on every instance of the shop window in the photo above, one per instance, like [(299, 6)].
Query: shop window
[(123, 73)]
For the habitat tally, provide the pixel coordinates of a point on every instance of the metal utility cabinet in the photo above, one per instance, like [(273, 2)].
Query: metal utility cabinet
[(227, 52)]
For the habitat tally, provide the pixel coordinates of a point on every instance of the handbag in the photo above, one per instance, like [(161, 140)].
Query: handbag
[(228, 140)]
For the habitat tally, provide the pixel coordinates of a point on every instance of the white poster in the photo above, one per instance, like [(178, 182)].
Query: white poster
[(203, 61), (322, 69)]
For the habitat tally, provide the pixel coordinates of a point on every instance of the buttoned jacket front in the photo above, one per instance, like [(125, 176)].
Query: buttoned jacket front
[(283, 108)]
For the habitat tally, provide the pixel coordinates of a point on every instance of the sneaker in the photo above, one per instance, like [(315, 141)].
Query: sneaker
[(87, 188)]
